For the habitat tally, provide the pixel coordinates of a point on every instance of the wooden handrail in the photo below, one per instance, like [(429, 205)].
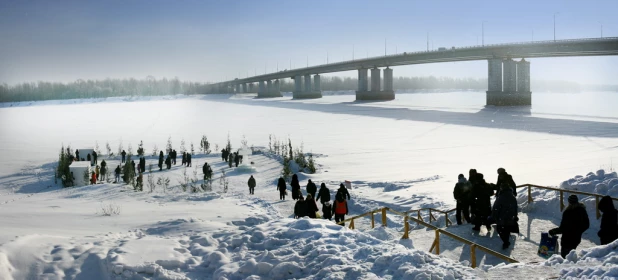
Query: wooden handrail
[(473, 246), (436, 244), (562, 191)]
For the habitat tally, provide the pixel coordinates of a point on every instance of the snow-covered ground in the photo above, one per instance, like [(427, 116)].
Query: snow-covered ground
[(404, 154)]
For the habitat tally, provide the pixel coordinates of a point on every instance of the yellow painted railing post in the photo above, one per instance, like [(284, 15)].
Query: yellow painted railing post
[(446, 219), (352, 224), (529, 194), (473, 255), (561, 201), (437, 242), (406, 227), (596, 198), (384, 216), (433, 245), (373, 220)]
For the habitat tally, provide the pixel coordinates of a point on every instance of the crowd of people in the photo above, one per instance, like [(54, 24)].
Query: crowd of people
[(473, 196)]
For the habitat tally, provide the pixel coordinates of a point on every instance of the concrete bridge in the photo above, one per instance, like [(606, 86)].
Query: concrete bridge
[(508, 70)]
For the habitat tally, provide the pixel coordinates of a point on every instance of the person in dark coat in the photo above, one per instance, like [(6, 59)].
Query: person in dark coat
[(184, 158), (573, 224), (312, 208), (223, 155), (251, 184), (343, 191), (174, 154), (300, 208), (189, 159), (142, 164), (103, 170), (236, 159), (94, 157), (311, 189), (504, 212), (77, 154), (326, 211), (133, 167), (124, 154), (89, 159), (472, 180), (505, 179), (161, 160), (295, 187), (323, 194), (207, 171), (609, 223), (481, 193), (340, 208), (230, 159), (168, 162), (117, 173), (462, 196), (281, 188)]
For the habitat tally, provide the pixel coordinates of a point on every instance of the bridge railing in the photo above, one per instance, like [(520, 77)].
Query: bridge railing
[(435, 247)]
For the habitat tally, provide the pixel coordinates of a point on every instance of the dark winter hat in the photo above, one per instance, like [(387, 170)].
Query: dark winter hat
[(501, 170), (341, 185), (460, 176), (573, 199)]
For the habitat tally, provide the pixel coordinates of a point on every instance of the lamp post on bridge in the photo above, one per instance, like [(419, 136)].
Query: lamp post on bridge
[(483, 32), (555, 26)]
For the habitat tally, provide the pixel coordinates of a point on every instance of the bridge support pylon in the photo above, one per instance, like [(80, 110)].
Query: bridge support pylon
[(307, 92), (508, 83), (375, 94), (270, 89)]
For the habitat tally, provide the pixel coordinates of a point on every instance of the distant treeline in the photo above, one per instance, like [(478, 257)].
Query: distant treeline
[(151, 87), (97, 89)]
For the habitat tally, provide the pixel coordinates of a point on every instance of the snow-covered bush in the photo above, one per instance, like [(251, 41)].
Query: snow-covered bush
[(62, 169), (168, 147), (109, 150), (140, 148), (155, 150), (110, 209), (205, 145)]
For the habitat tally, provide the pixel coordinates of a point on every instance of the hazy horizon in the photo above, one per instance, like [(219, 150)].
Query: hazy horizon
[(63, 41)]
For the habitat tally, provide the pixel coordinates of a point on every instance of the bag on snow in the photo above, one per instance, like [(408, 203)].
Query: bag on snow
[(318, 215), (548, 245)]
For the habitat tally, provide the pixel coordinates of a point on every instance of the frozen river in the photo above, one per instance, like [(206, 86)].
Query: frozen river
[(415, 136)]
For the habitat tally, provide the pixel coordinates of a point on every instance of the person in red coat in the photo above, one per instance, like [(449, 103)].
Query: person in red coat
[(340, 208), (93, 180)]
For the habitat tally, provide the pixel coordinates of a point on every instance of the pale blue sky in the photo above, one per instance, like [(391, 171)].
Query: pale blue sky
[(217, 40)]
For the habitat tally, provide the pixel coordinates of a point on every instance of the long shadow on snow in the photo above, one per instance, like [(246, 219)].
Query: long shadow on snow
[(513, 118)]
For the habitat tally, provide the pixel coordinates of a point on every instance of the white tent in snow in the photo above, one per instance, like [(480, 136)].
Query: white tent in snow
[(78, 168)]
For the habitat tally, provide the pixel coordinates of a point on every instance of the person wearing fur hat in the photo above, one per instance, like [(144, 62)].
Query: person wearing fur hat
[(462, 196), (573, 224), (505, 179)]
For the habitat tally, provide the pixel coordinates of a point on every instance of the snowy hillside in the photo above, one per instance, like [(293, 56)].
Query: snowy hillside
[(403, 154)]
